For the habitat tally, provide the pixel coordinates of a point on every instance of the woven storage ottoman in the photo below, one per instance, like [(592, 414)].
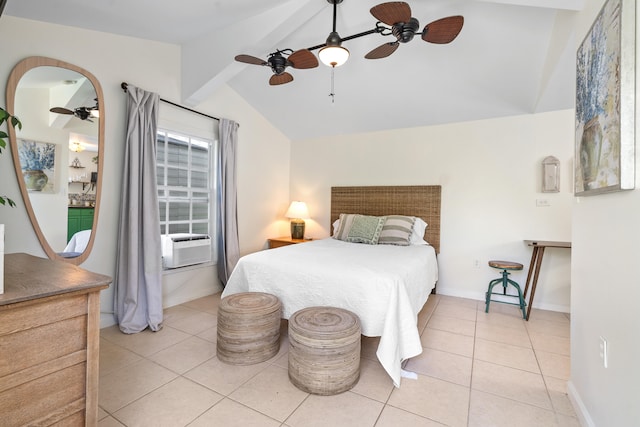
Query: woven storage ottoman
[(248, 328), (324, 350)]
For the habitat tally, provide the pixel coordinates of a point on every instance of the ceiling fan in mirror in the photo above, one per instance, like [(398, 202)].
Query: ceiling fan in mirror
[(83, 113), (394, 19)]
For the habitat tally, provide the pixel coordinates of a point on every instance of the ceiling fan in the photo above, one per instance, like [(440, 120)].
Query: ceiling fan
[(300, 59), (404, 27), (394, 18), (83, 113)]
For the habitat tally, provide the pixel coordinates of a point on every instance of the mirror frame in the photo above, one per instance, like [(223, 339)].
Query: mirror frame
[(18, 71)]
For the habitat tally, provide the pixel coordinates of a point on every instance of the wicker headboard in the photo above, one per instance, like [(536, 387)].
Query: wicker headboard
[(416, 200)]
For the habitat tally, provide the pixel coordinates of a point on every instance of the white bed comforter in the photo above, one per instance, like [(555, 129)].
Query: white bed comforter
[(385, 285)]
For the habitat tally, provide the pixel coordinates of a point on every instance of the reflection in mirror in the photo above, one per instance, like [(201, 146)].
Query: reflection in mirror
[(58, 152)]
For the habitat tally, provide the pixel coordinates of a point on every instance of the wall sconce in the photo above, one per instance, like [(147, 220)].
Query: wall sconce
[(297, 211), (550, 175)]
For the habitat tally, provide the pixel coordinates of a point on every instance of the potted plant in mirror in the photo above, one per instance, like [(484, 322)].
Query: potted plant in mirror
[(15, 122)]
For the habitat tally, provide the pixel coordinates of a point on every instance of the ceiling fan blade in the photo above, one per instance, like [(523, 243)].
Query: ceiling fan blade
[(302, 59), (443, 30), (61, 110), (280, 79), (248, 59), (392, 12), (383, 51)]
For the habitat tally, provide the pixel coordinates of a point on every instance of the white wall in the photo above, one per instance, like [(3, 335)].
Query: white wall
[(605, 274), (263, 172), (490, 172)]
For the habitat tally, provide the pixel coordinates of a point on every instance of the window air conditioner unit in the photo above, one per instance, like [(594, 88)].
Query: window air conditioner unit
[(179, 250)]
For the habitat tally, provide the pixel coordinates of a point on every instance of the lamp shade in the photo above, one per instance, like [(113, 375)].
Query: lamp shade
[(297, 210), (333, 56)]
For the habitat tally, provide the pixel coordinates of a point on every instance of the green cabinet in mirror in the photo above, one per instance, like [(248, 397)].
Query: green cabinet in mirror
[(58, 152)]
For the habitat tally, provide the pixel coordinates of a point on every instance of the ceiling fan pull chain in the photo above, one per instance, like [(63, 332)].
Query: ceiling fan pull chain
[(332, 94)]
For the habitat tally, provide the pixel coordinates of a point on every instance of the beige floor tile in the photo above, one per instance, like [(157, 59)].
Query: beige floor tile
[(144, 343), (374, 381), (504, 334), (102, 413), (554, 365), (559, 398), (553, 316), (515, 384), (567, 421), (547, 327), (195, 323), (506, 355), (426, 312), (174, 404), (109, 422), (456, 311), (445, 366), (223, 378), (508, 309), (447, 341), (460, 302), (489, 410), (438, 400), (270, 392), (228, 413), (551, 343), (208, 304), (177, 312), (185, 355), (123, 386), (507, 320), (369, 347), (341, 410), (452, 324), (210, 334), (394, 417), (282, 360), (112, 357)]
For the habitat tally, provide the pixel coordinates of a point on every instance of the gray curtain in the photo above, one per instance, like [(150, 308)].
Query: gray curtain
[(138, 283), (228, 245)]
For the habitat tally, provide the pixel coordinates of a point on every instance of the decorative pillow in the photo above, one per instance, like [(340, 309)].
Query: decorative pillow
[(397, 230), (344, 224), (366, 229), (335, 226), (417, 236)]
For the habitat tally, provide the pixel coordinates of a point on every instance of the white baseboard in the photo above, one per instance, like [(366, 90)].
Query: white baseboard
[(479, 296), (578, 406)]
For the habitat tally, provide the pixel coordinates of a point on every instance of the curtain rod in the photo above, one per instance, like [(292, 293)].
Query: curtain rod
[(124, 86)]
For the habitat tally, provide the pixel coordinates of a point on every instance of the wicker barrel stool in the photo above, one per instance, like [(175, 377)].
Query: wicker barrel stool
[(248, 328), (324, 350), (505, 266)]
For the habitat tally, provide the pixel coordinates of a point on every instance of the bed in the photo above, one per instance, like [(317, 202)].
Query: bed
[(385, 285)]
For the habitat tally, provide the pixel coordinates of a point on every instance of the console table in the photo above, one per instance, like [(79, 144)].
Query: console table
[(536, 261), (49, 341)]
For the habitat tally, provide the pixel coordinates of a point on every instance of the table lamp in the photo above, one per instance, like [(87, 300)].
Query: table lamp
[(297, 211)]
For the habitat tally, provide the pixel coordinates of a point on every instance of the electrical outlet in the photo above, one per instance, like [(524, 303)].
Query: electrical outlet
[(542, 203), (476, 263), (604, 352)]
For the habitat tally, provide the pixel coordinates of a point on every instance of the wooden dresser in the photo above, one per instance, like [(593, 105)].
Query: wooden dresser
[(49, 342)]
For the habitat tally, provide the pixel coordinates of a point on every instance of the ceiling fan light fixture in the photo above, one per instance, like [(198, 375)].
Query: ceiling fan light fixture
[(76, 147), (95, 113), (333, 54)]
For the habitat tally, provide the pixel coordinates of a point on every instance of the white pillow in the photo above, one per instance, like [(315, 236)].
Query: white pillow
[(336, 225), (417, 236)]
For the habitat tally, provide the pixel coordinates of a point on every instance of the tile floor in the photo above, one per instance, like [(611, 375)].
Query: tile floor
[(477, 369)]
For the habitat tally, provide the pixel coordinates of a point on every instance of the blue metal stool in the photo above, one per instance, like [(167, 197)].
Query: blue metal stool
[(505, 266)]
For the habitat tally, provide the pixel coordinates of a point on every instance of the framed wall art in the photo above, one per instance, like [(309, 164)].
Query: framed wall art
[(605, 102), (37, 161)]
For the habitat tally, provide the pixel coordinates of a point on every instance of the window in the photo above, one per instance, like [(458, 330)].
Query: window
[(186, 183)]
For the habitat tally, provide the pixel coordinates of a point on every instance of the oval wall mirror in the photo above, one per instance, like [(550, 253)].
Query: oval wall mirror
[(58, 152)]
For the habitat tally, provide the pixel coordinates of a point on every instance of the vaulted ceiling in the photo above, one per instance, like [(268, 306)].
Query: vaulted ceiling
[(512, 57)]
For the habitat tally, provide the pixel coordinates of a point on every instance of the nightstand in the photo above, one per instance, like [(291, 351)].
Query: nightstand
[(285, 241)]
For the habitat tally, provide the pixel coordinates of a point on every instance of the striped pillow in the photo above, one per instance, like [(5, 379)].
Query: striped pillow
[(342, 232), (397, 230)]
